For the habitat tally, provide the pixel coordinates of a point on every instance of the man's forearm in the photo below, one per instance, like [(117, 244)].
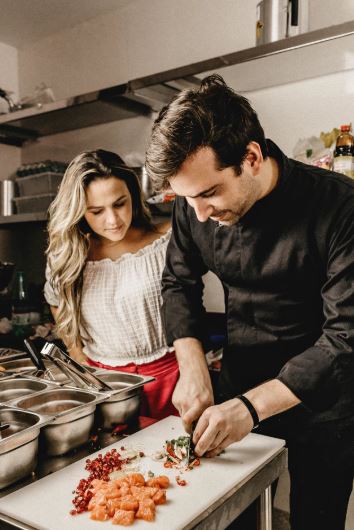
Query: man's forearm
[(190, 354), (270, 398)]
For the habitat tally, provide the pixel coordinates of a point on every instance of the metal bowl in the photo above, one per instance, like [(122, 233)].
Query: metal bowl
[(123, 406), (73, 416), (19, 387), (18, 445)]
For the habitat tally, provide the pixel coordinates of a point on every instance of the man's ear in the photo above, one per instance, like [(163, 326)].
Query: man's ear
[(254, 156)]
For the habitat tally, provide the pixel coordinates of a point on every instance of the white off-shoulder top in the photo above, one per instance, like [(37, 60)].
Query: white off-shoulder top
[(121, 302)]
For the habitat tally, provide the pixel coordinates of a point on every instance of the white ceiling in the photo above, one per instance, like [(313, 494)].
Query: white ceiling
[(23, 22)]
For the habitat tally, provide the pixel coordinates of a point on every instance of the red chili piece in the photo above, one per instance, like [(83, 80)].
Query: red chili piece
[(181, 482)]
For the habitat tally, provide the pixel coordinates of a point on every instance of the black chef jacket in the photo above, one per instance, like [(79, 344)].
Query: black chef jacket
[(287, 269)]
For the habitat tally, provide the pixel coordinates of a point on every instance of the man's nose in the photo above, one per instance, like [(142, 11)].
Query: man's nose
[(202, 209)]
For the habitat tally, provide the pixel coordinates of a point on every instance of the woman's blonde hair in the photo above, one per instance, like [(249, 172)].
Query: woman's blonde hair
[(69, 234)]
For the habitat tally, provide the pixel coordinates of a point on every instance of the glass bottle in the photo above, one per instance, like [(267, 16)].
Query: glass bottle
[(343, 161), (21, 309)]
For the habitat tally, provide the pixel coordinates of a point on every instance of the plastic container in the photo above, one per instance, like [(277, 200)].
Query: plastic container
[(39, 184), (34, 204)]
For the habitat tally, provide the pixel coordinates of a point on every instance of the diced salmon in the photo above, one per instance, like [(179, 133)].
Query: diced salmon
[(143, 492), (146, 510), (113, 493), (162, 482), (92, 504), (129, 503), (136, 479), (123, 517), (112, 506), (159, 497), (125, 490), (99, 514), (97, 500), (120, 481)]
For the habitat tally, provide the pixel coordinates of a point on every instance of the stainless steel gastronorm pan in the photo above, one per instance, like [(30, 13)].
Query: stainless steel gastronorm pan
[(72, 416), (21, 386), (25, 366), (124, 403), (18, 444)]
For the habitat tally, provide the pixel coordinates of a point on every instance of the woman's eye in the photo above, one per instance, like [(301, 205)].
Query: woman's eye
[(96, 212), (119, 204)]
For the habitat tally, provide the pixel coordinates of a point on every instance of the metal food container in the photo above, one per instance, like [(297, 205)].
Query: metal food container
[(72, 413), (7, 354), (123, 406), (18, 444), (19, 387), (26, 367)]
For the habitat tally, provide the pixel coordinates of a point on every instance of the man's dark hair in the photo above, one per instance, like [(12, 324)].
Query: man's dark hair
[(211, 116)]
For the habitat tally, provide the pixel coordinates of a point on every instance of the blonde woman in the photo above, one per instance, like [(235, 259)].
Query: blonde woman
[(104, 265)]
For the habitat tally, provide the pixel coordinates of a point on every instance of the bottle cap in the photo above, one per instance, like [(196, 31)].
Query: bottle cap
[(345, 128)]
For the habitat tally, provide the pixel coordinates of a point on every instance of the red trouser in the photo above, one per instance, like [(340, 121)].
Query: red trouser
[(157, 395)]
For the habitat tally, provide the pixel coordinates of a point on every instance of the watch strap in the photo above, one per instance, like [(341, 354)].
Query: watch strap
[(250, 408)]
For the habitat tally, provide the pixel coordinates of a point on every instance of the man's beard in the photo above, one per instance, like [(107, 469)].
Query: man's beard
[(227, 217)]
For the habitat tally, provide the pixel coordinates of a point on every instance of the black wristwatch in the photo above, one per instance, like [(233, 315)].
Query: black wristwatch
[(251, 409)]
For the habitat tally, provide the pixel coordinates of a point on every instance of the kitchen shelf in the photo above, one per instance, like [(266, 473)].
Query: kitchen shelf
[(143, 95), (22, 218), (103, 106), (283, 61)]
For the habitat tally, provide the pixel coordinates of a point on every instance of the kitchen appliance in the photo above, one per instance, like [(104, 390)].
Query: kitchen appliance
[(279, 19)]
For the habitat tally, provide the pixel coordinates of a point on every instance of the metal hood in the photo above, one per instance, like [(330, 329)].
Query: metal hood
[(103, 106), (148, 94)]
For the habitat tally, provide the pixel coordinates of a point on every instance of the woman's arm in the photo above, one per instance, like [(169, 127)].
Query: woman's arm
[(76, 353)]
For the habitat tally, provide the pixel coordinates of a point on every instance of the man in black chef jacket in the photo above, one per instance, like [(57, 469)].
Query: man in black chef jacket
[(280, 236)]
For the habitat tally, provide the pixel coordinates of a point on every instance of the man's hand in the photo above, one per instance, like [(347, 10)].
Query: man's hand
[(193, 392), (220, 426)]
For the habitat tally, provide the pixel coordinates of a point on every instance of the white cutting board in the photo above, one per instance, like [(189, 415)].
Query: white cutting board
[(45, 504)]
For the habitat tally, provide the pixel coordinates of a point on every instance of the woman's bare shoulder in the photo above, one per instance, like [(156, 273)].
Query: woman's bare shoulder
[(163, 228)]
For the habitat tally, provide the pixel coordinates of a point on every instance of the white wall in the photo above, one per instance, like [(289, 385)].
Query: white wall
[(147, 37), (323, 13), (302, 109), (9, 156), (142, 38)]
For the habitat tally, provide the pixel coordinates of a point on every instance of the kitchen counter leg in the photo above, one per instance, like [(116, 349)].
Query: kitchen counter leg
[(265, 510)]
